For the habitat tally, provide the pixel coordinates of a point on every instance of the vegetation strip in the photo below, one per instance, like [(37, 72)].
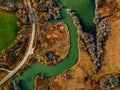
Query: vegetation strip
[(8, 29)]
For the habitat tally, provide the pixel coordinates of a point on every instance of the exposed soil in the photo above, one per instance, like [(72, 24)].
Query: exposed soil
[(80, 76), (54, 38)]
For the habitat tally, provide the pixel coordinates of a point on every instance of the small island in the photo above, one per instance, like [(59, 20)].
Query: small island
[(53, 42)]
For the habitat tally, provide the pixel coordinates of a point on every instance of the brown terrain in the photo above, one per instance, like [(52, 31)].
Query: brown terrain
[(80, 76), (12, 55), (3, 73), (76, 78), (111, 61), (54, 38)]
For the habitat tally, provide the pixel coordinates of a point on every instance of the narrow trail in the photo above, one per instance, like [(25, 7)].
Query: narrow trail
[(11, 73)]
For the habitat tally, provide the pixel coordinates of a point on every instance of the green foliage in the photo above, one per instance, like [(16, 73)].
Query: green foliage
[(8, 29)]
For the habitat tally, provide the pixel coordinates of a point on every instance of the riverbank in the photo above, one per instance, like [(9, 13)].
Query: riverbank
[(108, 10), (82, 9), (52, 71), (94, 55), (107, 39)]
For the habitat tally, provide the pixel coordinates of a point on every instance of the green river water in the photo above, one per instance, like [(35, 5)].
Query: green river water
[(85, 10)]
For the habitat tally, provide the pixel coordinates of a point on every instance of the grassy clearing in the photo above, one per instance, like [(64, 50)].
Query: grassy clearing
[(8, 29)]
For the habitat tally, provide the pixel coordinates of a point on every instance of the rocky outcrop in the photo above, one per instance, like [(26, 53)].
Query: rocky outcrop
[(110, 81), (102, 30), (93, 44), (97, 15), (87, 38)]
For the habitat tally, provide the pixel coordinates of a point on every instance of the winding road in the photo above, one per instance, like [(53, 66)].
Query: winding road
[(11, 73)]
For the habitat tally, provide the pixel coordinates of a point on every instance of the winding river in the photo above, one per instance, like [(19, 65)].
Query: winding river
[(85, 11)]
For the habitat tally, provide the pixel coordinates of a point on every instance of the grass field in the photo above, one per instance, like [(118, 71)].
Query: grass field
[(8, 29)]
